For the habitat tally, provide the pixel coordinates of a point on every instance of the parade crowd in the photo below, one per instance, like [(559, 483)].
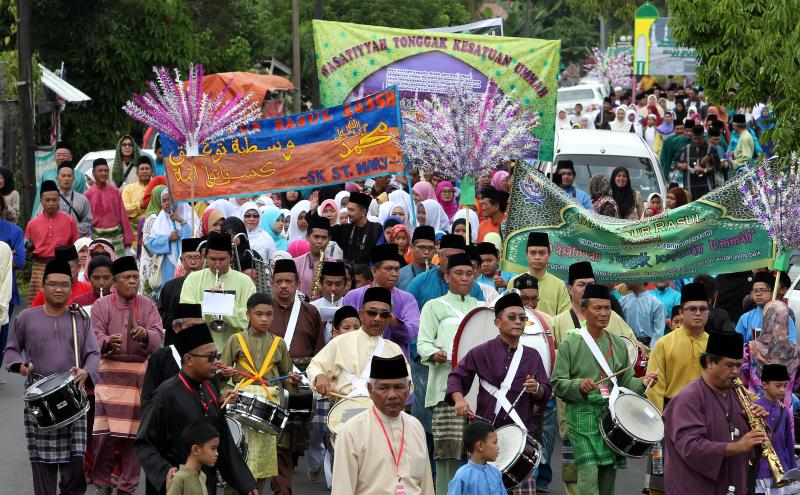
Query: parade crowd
[(299, 309)]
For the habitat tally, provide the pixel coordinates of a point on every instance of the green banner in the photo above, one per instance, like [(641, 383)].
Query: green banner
[(355, 60), (716, 234)]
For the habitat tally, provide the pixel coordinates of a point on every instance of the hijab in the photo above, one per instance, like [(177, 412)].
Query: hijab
[(154, 208), (498, 179), (666, 129), (260, 241), (680, 197), (562, 122), (637, 126), (773, 345), (495, 239), (622, 195), (210, 217), (620, 125), (764, 122), (227, 208), (473, 222), (425, 190), (449, 207), (390, 222), (333, 204), (164, 225), (243, 250), (269, 216), (599, 186), (290, 204), (403, 199), (107, 248), (435, 215), (119, 168), (385, 211), (158, 180), (339, 197), (295, 234), (298, 248), (680, 114)]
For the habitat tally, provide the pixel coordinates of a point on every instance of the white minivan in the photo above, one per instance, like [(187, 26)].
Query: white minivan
[(600, 152)]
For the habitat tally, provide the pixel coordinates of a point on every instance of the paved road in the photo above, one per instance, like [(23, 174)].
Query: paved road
[(15, 477)]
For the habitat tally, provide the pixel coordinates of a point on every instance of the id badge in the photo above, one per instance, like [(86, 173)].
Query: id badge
[(604, 390), (400, 488)]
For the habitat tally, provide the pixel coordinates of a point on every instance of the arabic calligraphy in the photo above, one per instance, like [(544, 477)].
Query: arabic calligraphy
[(376, 137), (243, 147), (219, 175)]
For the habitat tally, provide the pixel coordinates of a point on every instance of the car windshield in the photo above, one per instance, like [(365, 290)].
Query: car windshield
[(640, 170), (575, 94)]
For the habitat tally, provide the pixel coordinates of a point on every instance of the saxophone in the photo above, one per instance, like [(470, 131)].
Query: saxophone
[(315, 284), (767, 449)]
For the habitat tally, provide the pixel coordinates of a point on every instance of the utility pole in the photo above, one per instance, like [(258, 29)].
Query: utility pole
[(526, 28), (296, 54), (25, 85)]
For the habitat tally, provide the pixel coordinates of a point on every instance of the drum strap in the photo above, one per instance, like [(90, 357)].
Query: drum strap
[(499, 394), (250, 365), (176, 356), (601, 360), (548, 338), (289, 335), (575, 320), (360, 382)]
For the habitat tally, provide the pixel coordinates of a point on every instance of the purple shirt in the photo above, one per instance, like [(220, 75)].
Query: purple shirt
[(404, 308), (46, 341), (781, 435), (491, 361), (111, 316), (696, 433)]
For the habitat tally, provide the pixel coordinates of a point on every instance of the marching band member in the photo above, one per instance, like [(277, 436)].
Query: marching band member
[(582, 360), (382, 451), (506, 369), (318, 234), (218, 261), (259, 353), (128, 330), (190, 396), (44, 335), (422, 250), (439, 322), (528, 288), (677, 357), (170, 295), (69, 254), (553, 296), (299, 324), (332, 291), (98, 274), (403, 325)]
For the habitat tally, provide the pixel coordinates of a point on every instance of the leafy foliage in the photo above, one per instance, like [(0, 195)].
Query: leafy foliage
[(749, 46)]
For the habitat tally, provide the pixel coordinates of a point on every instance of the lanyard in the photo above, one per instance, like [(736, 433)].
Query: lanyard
[(205, 405), (728, 412), (389, 441)]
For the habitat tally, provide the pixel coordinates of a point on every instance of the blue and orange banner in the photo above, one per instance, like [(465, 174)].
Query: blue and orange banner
[(354, 141)]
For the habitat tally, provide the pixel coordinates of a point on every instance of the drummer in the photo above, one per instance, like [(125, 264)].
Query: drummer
[(677, 357), (44, 335), (553, 297), (439, 322), (512, 376), (258, 353), (575, 378)]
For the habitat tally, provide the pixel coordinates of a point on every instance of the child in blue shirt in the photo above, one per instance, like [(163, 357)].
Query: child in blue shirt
[(476, 477)]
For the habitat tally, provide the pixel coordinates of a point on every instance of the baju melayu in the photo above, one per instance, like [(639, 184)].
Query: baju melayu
[(77, 206), (596, 462), (477, 479), (439, 321), (696, 433), (364, 464), (327, 309), (197, 282), (407, 274), (430, 285), (779, 425), (356, 242), (645, 314), (47, 233), (109, 218), (306, 264), (752, 321), (553, 295)]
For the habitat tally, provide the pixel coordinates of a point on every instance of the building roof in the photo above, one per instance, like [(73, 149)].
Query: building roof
[(62, 88)]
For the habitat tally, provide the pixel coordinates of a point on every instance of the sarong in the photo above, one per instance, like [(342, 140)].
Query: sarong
[(569, 471), (528, 487), (419, 374), (583, 420), (113, 234), (117, 398), (262, 450), (37, 270), (57, 446), (448, 432)]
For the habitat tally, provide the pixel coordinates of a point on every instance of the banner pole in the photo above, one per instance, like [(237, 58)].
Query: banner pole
[(194, 176), (411, 193)]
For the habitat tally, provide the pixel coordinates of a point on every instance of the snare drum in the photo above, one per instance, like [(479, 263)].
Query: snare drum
[(238, 436), (476, 328), (636, 356), (301, 406), (258, 413), (519, 455), (634, 426), (344, 410), (56, 401)]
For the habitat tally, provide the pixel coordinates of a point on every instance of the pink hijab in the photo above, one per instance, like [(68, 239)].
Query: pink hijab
[(449, 207), (425, 190), (298, 248), (498, 178)]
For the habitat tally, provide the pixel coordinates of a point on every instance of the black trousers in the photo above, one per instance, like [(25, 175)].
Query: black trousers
[(46, 477)]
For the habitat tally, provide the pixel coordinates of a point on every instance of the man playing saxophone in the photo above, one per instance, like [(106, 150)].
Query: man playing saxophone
[(711, 428), (308, 265), (218, 276)]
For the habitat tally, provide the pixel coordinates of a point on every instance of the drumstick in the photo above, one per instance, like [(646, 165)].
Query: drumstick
[(230, 397), (657, 371), (334, 394), (256, 379), (598, 382)]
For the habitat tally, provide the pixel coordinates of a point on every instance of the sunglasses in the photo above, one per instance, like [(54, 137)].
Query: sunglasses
[(252, 215), (210, 357), (695, 309), (374, 313), (512, 318)]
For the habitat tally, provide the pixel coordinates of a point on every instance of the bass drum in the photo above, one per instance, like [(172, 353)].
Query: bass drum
[(344, 410), (537, 336), (476, 328), (634, 426)]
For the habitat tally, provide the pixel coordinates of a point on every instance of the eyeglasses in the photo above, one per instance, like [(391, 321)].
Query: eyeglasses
[(126, 145), (512, 318), (251, 215), (210, 357), (530, 299), (696, 309), (374, 313), (761, 291), (56, 285), (426, 249)]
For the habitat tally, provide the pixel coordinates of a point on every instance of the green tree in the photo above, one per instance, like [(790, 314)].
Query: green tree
[(749, 46)]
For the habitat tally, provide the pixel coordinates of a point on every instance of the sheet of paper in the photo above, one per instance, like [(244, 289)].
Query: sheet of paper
[(218, 303)]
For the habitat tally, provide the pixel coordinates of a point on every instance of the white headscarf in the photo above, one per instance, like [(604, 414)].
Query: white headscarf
[(565, 122), (295, 234), (636, 124), (385, 211), (227, 208), (620, 125), (435, 215), (163, 226), (473, 222), (260, 241), (404, 199), (339, 196)]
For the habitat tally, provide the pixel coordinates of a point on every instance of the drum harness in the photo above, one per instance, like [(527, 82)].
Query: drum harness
[(250, 365), (359, 382), (598, 356)]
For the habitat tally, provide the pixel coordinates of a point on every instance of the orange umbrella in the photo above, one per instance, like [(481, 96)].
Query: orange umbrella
[(245, 82)]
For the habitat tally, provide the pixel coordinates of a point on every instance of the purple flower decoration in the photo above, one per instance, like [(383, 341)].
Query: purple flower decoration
[(773, 195)]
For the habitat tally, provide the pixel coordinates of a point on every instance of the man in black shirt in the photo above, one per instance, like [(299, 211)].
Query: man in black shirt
[(358, 237), (699, 161)]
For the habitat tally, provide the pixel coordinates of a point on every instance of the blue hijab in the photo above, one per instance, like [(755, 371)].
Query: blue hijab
[(389, 222), (268, 218)]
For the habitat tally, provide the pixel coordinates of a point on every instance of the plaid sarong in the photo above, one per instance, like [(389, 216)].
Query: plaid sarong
[(114, 235), (319, 422), (528, 487), (262, 451), (583, 422), (35, 284), (58, 446), (569, 471), (117, 409), (448, 432)]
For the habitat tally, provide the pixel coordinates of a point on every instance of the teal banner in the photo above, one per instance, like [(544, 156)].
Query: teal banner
[(716, 234)]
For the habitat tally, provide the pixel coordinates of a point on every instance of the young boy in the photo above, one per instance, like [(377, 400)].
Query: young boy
[(201, 441), (345, 320), (676, 319), (476, 476), (775, 379), (257, 352), (489, 273)]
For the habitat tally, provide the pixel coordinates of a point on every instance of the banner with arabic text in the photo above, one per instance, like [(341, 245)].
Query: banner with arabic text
[(715, 234), (354, 141)]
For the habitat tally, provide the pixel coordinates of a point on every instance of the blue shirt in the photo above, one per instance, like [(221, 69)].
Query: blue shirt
[(645, 315), (581, 197), (476, 479), (506, 276), (430, 285), (11, 234), (407, 274), (668, 297), (752, 319)]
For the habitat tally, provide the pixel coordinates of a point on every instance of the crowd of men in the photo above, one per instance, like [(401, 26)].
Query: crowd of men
[(167, 315)]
